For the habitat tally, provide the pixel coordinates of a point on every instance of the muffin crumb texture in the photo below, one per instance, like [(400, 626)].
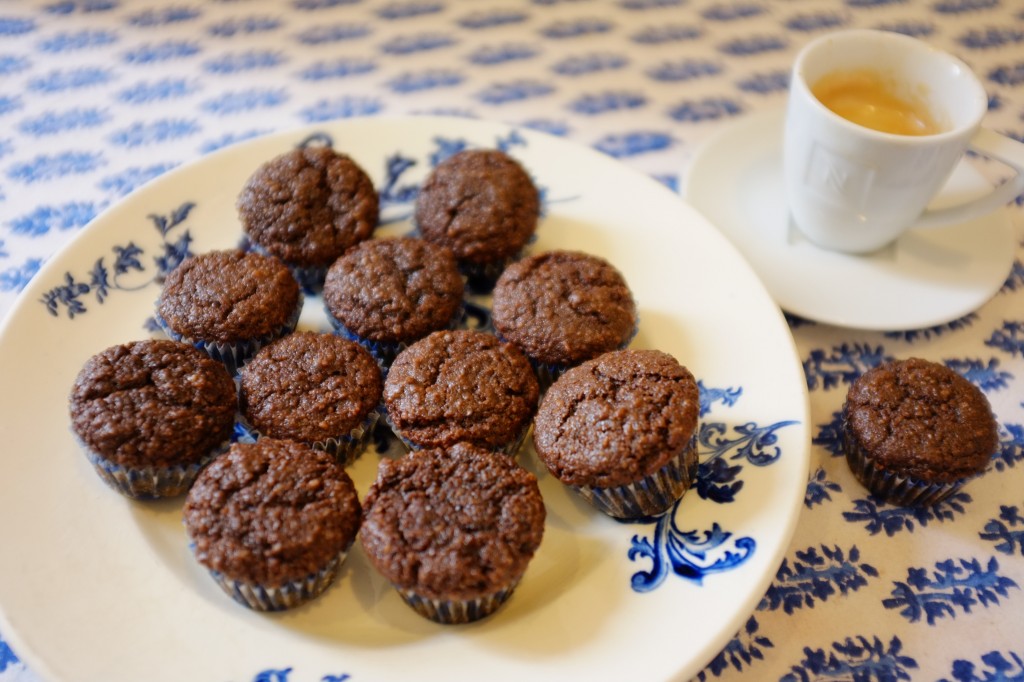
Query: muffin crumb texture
[(481, 204), (271, 512), (564, 307), (310, 386), (617, 418), (308, 206), (455, 523), (228, 296), (394, 289), (152, 403), (457, 386), (922, 419)]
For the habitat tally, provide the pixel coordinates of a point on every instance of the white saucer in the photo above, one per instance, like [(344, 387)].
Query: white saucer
[(927, 278)]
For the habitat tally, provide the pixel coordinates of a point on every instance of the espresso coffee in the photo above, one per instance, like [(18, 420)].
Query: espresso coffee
[(867, 98)]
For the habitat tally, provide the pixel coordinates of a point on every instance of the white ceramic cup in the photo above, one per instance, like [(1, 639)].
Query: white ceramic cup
[(854, 189)]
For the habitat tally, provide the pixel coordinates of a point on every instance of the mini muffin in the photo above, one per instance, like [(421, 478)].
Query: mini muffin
[(272, 521), (306, 207), (462, 385), (482, 205), (620, 429), (915, 431), (150, 414), (317, 389), (229, 303), (388, 293), (563, 307), (453, 529)]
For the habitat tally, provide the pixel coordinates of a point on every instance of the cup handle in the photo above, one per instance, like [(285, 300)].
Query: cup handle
[(985, 142)]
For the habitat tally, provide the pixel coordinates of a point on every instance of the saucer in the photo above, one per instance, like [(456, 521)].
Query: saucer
[(926, 278)]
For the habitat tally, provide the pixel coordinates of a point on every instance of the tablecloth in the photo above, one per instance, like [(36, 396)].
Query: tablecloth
[(100, 96)]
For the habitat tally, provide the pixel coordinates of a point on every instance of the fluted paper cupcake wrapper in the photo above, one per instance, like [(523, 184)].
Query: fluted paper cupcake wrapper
[(385, 352), (234, 355), (904, 491), (291, 594), (346, 448), (456, 611), (511, 448), (652, 495), (149, 483)]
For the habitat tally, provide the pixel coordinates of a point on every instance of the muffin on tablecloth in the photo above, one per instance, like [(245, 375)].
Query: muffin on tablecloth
[(388, 293), (150, 414), (915, 431), (461, 385), (563, 307), (453, 529), (318, 389), (306, 207), (272, 521), (482, 205), (229, 303), (621, 429)]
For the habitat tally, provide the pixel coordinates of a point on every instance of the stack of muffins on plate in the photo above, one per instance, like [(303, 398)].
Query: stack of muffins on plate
[(454, 522)]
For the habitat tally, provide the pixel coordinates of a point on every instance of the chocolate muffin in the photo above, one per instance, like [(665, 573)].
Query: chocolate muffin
[(272, 521), (308, 206), (620, 429), (318, 389), (482, 205), (453, 529), (387, 293), (463, 385), (229, 303), (915, 431), (150, 414), (563, 307)]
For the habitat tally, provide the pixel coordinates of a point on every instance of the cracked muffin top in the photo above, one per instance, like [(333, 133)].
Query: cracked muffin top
[(563, 307), (228, 296), (617, 418), (481, 204), (919, 418), (153, 403), (309, 387), (308, 206), (455, 523), (463, 385), (394, 290), (271, 512)]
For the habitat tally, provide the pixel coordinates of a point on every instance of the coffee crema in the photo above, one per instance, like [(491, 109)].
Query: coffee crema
[(867, 98)]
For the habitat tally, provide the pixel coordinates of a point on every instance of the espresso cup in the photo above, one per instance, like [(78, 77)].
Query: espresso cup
[(854, 188)]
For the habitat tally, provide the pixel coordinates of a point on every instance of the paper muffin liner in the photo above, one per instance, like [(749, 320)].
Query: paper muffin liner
[(234, 355), (456, 611), (510, 448), (345, 448), (385, 352), (291, 594), (652, 495), (150, 483), (897, 489)]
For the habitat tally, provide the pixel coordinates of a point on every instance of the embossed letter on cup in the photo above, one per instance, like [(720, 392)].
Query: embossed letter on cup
[(855, 189)]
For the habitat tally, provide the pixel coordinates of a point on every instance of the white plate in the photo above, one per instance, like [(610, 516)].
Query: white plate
[(926, 278), (94, 586)]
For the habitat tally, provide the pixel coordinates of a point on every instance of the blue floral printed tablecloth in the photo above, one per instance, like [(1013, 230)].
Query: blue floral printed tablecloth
[(100, 96)]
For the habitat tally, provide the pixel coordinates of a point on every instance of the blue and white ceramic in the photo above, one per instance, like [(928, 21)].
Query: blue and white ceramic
[(653, 599)]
